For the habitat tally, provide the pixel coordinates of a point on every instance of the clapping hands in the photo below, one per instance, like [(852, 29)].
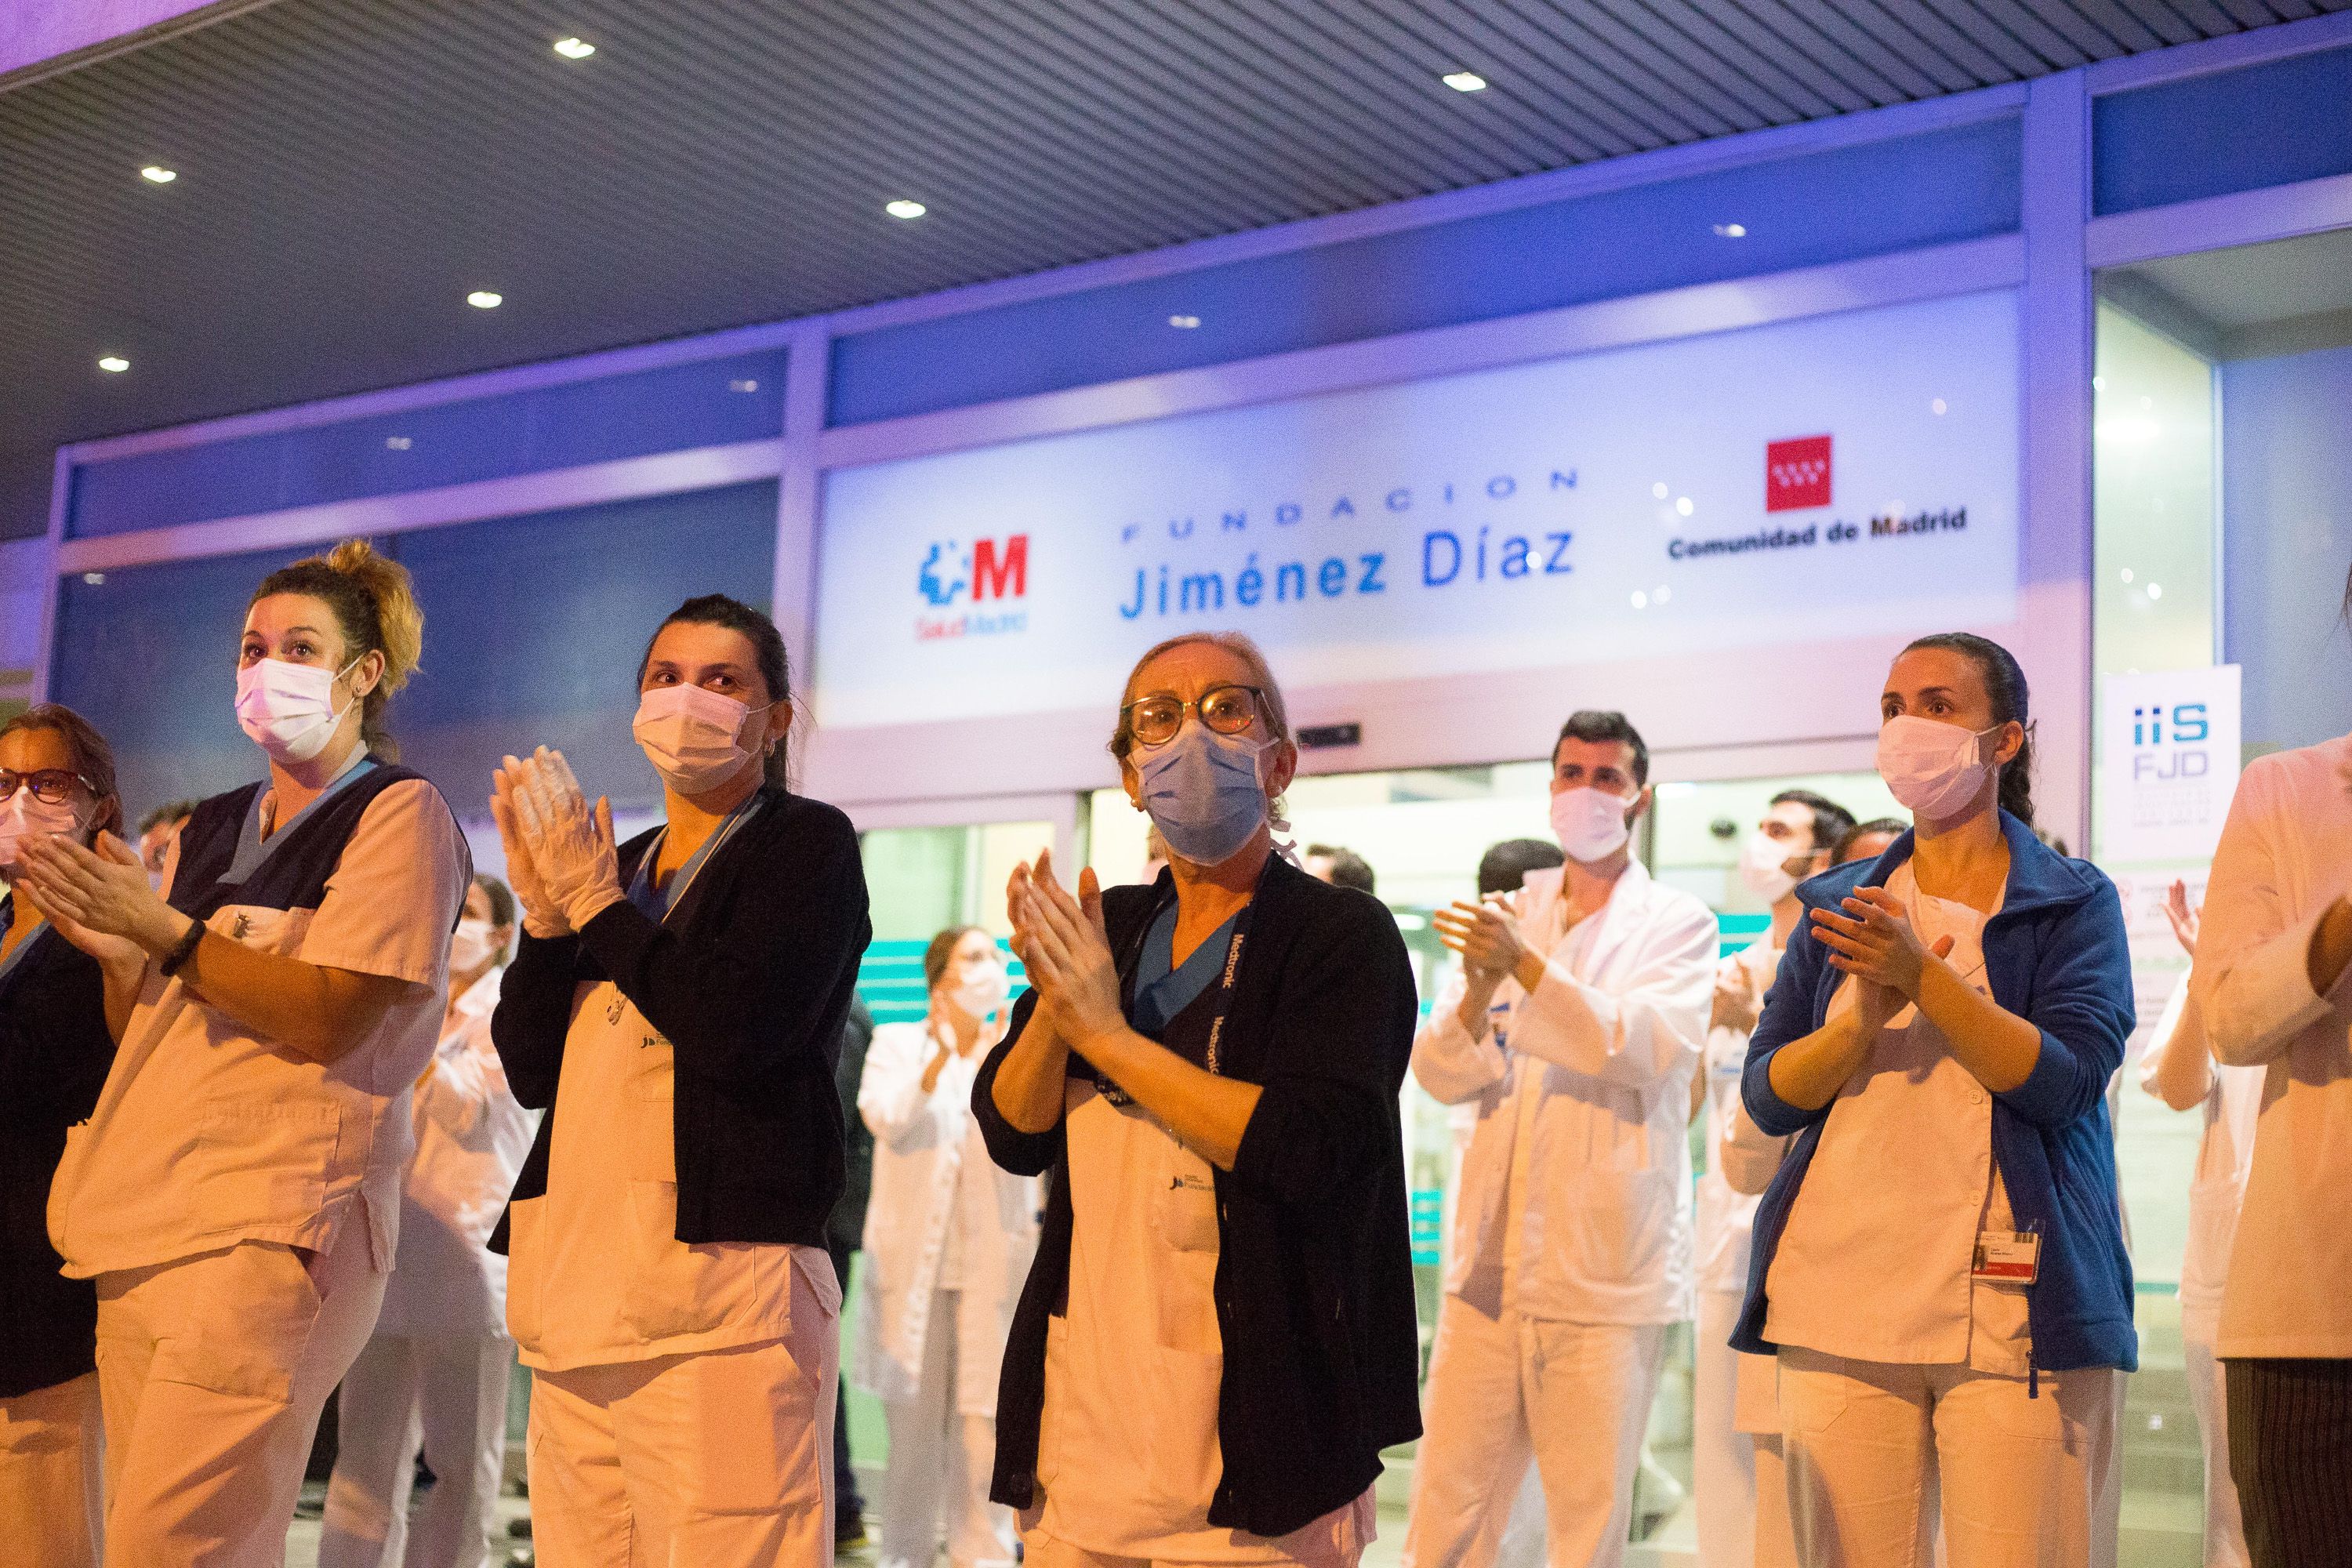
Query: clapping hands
[(560, 855), (1061, 941)]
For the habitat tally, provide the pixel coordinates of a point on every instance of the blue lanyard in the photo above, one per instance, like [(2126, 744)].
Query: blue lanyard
[(656, 905), (253, 850), (16, 954)]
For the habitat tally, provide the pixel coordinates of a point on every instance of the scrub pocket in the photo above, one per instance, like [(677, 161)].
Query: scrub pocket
[(674, 1290), (262, 1163), (1184, 1210), (1184, 1461), (244, 1317), (1813, 1398), (526, 1320)]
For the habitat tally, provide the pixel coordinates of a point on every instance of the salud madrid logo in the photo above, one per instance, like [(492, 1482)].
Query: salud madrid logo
[(992, 570)]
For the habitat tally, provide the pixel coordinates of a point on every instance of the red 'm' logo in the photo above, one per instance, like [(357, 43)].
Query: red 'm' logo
[(1797, 473)]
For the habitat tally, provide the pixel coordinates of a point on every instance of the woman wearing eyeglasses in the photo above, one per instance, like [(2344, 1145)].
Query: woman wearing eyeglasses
[(1217, 1337), (235, 1194), (56, 776)]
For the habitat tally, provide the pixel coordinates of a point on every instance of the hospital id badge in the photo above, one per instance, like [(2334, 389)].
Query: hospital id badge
[(2013, 1257)]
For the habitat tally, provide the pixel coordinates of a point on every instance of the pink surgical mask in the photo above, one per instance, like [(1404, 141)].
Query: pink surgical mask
[(692, 737), (1935, 769), (23, 817), (289, 709)]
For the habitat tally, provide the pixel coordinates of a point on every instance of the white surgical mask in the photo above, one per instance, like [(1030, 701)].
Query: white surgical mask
[(692, 737), (23, 817), (471, 947), (1934, 768), (1590, 823), (1764, 867), (984, 992), (289, 709)]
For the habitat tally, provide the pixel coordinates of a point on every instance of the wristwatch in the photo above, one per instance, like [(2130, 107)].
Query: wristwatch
[(183, 950)]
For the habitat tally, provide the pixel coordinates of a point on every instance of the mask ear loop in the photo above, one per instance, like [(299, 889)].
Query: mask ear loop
[(1276, 823)]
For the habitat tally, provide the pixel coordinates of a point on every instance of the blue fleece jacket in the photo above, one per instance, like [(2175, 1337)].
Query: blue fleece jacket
[(2054, 955)]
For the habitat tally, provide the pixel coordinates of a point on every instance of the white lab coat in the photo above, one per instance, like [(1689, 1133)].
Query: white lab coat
[(2284, 857), (1548, 1346), (1614, 1030), (471, 1139), (920, 1142), (435, 1374)]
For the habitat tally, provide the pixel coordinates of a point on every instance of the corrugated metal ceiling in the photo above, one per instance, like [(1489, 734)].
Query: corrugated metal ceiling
[(350, 169)]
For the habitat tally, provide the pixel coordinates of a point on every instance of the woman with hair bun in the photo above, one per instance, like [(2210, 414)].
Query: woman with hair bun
[(235, 1194), (1939, 1262)]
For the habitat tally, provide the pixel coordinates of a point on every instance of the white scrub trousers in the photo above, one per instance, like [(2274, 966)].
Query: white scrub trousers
[(49, 1475), (447, 1396), (1575, 1395), (2225, 1529), (212, 1371), (1738, 1480), (2025, 1482), (942, 1451), (710, 1459)]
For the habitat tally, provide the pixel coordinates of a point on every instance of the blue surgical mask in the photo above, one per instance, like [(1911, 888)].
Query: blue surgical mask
[(1203, 792)]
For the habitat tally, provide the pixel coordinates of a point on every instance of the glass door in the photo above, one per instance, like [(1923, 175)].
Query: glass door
[(930, 865)]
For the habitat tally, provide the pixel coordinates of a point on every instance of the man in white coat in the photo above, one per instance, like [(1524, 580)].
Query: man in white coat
[(1733, 1409), (1575, 1029)]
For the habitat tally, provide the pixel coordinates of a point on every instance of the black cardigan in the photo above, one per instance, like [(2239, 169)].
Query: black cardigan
[(748, 980), (55, 1050), (1314, 1284)]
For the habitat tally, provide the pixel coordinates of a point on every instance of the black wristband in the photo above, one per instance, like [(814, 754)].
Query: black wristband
[(183, 950)]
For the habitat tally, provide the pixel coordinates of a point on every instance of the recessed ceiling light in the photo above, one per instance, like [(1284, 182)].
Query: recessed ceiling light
[(1659, 489), (574, 49), (1732, 230), (398, 443), (1683, 505), (903, 209), (1936, 405), (2127, 574), (1187, 322), (1464, 82), (95, 579), (1641, 600), (483, 300), (2156, 590), (744, 383), (115, 362), (156, 174)]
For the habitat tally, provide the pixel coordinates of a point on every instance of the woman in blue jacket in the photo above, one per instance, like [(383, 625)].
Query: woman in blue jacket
[(1939, 1265)]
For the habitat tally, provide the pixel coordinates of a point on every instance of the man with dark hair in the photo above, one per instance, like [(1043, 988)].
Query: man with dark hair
[(1573, 1030), (1341, 867), (1868, 841), (1736, 1467), (1505, 865)]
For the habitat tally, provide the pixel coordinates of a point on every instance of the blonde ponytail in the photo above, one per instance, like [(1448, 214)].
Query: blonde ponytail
[(375, 605)]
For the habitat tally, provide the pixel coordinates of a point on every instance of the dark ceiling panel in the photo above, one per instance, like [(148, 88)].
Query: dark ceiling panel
[(349, 169)]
